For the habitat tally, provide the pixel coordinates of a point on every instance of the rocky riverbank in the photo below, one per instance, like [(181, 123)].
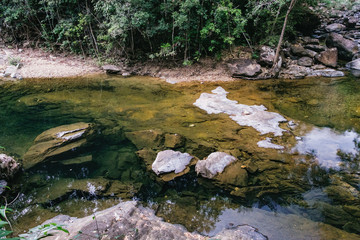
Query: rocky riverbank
[(328, 52)]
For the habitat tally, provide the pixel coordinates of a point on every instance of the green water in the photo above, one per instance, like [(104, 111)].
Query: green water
[(308, 190)]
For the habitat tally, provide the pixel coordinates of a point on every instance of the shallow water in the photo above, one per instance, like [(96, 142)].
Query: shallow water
[(310, 189)]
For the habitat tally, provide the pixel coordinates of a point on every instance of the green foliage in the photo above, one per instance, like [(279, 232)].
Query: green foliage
[(45, 230), (157, 29)]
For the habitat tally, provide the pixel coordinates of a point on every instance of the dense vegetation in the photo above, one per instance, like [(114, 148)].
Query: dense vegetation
[(184, 29)]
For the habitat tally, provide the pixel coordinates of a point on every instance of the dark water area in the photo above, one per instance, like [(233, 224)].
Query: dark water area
[(307, 190)]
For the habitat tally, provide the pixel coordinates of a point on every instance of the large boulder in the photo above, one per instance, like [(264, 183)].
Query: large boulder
[(129, 220), (170, 164), (244, 68), (267, 55), (335, 27), (354, 67), (57, 141), (328, 57), (346, 47), (8, 166)]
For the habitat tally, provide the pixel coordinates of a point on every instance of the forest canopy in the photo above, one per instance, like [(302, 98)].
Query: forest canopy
[(183, 29)]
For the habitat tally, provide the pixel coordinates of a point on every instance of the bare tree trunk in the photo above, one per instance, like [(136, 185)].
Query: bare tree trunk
[(276, 58)]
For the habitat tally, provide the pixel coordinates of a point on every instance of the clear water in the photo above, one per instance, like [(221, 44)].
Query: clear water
[(309, 190)]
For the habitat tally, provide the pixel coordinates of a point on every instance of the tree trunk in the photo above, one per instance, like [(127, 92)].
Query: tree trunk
[(274, 68)]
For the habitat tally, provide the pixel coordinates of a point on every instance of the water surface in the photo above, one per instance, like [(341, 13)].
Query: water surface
[(310, 189)]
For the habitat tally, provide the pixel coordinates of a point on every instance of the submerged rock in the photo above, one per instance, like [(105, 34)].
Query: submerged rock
[(63, 189), (214, 164), (268, 144), (57, 141), (133, 221), (169, 161), (8, 166), (146, 138), (174, 140), (253, 116)]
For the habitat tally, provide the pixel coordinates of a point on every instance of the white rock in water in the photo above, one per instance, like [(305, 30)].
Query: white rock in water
[(168, 161), (268, 144), (254, 116), (215, 163)]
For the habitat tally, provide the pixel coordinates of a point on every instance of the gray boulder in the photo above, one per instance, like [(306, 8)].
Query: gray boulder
[(328, 57), (335, 27), (346, 47), (8, 166), (214, 164), (244, 68), (57, 141), (305, 61), (171, 161), (267, 55), (354, 67)]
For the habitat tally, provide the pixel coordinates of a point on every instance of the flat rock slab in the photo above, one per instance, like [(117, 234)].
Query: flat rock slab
[(214, 164), (255, 116), (56, 141), (171, 161)]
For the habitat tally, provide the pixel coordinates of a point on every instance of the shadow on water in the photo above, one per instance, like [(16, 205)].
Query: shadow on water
[(308, 190)]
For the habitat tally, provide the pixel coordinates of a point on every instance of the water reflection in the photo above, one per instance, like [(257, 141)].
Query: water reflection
[(325, 143)]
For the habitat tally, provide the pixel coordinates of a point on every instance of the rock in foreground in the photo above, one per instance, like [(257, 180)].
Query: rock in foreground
[(127, 220)]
